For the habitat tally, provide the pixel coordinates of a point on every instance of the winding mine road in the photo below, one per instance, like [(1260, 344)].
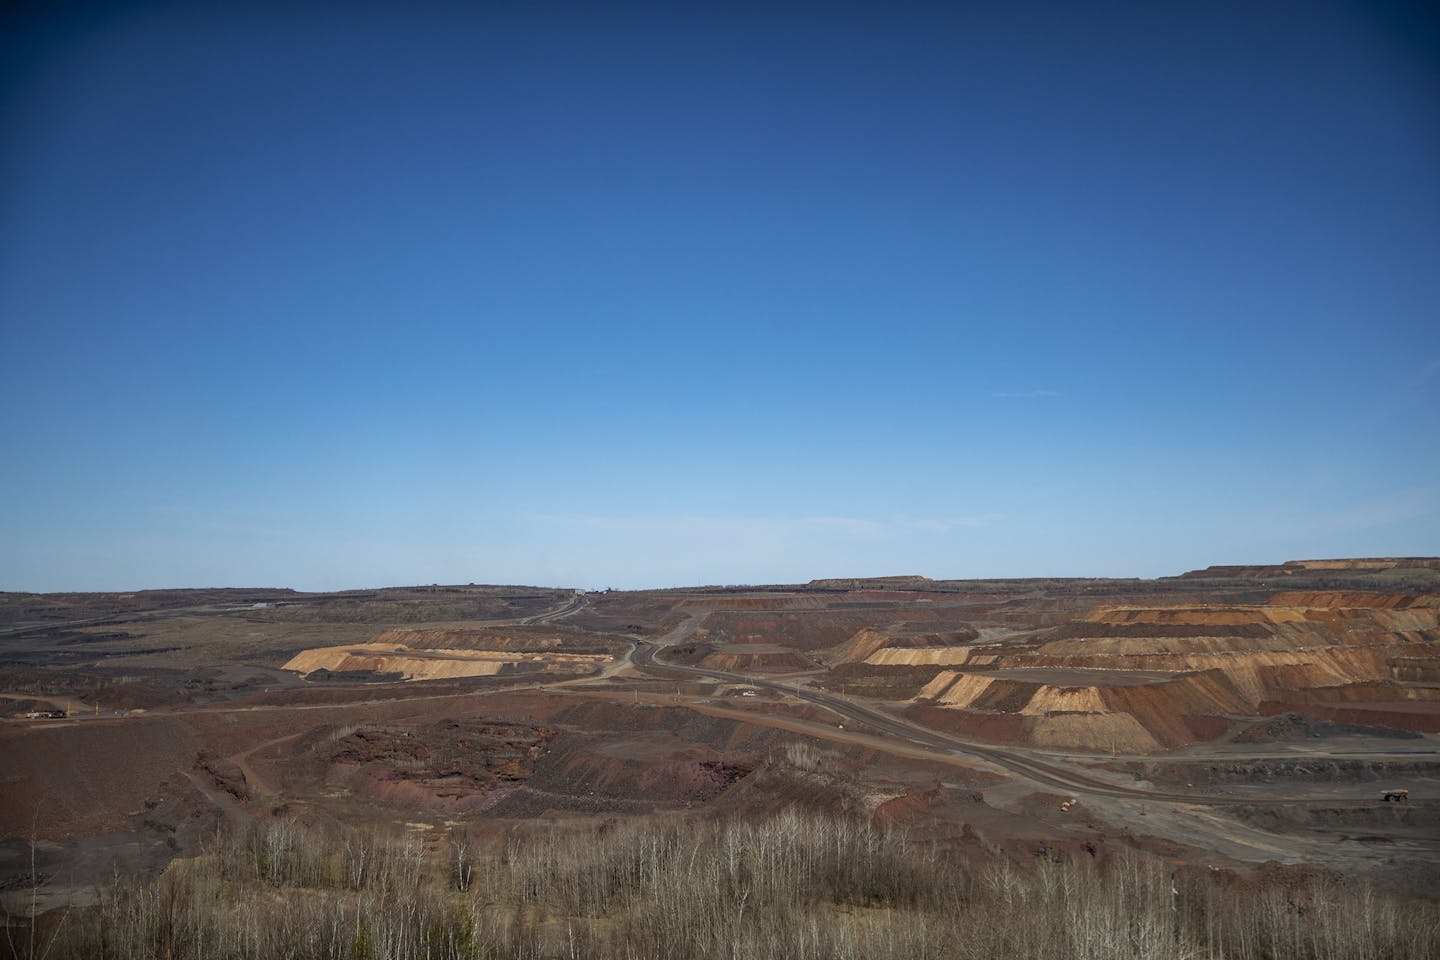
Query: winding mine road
[(573, 605), (1031, 768)]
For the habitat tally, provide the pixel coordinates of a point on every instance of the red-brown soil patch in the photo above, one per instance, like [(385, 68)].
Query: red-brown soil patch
[(803, 631), (911, 805), (1205, 727), (77, 778), (1179, 670), (777, 661), (463, 763), (1350, 599), (222, 774), (991, 727), (903, 682), (1286, 727), (766, 602), (1415, 716), (866, 642)]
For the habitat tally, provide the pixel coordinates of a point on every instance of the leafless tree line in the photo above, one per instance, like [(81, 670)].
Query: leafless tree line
[(796, 886)]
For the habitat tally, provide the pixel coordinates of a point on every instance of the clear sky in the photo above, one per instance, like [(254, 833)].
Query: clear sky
[(604, 294)]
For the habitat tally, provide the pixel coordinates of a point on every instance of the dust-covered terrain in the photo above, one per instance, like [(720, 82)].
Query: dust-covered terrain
[(1242, 718)]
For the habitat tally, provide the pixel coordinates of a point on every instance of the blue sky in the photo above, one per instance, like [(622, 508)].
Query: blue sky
[(657, 294)]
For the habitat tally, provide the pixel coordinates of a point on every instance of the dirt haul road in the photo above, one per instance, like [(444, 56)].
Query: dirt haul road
[(573, 605), (643, 657), (1035, 770)]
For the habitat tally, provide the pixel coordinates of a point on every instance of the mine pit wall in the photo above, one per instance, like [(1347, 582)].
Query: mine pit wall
[(1369, 664), (1381, 822), (860, 646), (920, 655), (753, 603), (694, 776), (533, 639), (1128, 718), (1377, 612), (1047, 699), (869, 643), (1091, 640), (1416, 669), (1002, 728), (350, 660), (1235, 616), (788, 662), (1256, 676), (1346, 654), (1208, 691), (1280, 770), (1167, 709), (432, 664), (1425, 719), (1354, 599), (108, 771), (1092, 733), (1190, 707), (459, 639), (960, 690)]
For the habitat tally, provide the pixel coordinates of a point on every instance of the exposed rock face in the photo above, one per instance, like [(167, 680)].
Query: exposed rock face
[(466, 763), (1293, 567), (781, 661), (1138, 679), (777, 602), (433, 663), (867, 643), (915, 656), (523, 639), (903, 582)]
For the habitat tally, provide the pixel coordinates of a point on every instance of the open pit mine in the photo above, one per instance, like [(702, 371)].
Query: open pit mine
[(1256, 724), (1146, 678)]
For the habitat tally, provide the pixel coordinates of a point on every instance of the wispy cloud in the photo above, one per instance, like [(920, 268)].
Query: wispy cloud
[(860, 527), (691, 547), (946, 524), (857, 525), (1026, 395), (1315, 528), (1399, 506)]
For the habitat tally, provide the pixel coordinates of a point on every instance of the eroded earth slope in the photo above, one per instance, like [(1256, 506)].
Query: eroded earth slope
[(1232, 716)]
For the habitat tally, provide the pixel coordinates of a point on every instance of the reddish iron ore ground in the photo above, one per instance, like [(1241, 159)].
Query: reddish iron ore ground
[(1272, 673)]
